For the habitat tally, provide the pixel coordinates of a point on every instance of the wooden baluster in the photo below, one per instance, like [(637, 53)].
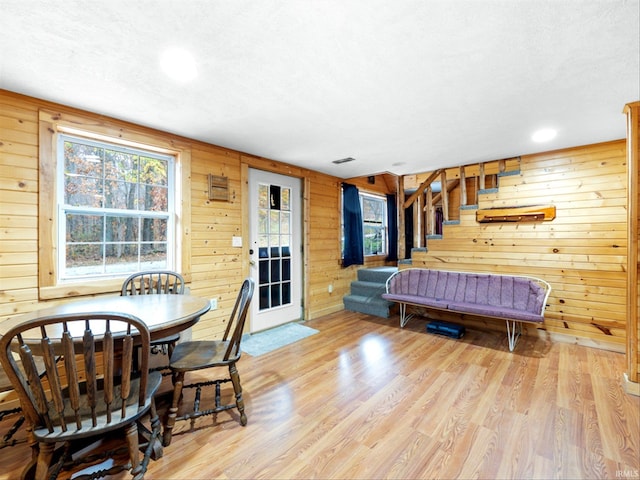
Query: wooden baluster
[(463, 187), (402, 252), (445, 195), (418, 224), (430, 212), (482, 179)]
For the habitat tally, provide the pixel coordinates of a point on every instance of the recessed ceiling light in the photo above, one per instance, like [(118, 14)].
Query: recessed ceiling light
[(178, 64), (544, 135)]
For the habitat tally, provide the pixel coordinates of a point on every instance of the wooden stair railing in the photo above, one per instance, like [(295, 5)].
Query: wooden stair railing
[(425, 202)]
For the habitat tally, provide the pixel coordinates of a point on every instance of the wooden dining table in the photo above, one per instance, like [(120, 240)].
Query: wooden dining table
[(164, 315)]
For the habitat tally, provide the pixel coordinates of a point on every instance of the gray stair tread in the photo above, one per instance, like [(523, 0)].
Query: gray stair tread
[(371, 306), (376, 274), (369, 284), (363, 299)]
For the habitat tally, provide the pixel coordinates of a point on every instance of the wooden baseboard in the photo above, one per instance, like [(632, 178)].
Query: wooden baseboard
[(583, 341)]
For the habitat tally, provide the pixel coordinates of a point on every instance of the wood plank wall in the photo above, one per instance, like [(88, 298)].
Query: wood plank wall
[(217, 268), (582, 253)]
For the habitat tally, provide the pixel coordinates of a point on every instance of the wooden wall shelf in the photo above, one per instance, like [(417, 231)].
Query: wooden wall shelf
[(535, 213)]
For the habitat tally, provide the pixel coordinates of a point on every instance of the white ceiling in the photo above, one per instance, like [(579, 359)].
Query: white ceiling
[(402, 86)]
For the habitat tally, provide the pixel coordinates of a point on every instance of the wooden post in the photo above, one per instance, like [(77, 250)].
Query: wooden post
[(402, 248), (445, 195), (463, 187), (475, 190), (632, 111), (418, 223), (429, 213)]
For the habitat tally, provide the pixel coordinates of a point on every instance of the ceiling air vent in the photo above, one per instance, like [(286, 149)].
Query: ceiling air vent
[(344, 160)]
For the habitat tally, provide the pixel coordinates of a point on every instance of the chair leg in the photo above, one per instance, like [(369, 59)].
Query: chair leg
[(237, 388), (45, 455), (154, 447), (178, 382), (170, 347), (133, 445)]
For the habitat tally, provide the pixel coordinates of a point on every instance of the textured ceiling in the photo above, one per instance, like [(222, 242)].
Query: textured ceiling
[(401, 86)]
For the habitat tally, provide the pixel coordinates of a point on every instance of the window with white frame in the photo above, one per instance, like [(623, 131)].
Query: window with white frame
[(115, 209), (374, 224)]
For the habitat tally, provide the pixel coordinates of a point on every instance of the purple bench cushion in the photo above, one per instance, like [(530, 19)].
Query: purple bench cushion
[(495, 311), (501, 296), (513, 293), (417, 300), (434, 284)]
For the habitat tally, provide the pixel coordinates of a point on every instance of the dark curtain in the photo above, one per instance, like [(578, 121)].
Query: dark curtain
[(392, 224), (352, 220), (439, 220), (408, 230)]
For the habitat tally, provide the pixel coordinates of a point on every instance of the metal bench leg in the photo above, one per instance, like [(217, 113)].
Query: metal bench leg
[(404, 318), (514, 330)]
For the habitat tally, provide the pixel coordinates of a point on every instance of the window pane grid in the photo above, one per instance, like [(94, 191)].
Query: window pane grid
[(115, 203), (274, 240)]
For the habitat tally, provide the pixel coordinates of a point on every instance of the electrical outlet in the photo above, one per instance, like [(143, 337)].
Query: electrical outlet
[(330, 288), (214, 303)]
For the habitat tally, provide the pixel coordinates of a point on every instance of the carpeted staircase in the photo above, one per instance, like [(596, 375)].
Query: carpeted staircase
[(366, 292)]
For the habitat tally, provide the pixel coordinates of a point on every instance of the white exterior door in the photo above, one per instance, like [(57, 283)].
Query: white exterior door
[(275, 249)]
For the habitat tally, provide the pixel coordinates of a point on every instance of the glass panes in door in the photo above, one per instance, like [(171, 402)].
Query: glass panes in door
[(274, 246)]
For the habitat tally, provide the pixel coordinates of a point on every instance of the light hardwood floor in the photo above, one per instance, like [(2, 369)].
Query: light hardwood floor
[(365, 399)]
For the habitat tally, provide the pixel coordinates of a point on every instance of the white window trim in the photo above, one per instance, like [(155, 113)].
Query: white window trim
[(54, 123), (63, 209)]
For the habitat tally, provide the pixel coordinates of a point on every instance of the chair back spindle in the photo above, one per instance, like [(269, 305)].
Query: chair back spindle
[(153, 283)]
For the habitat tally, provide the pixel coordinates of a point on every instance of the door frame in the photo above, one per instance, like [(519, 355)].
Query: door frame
[(271, 167)]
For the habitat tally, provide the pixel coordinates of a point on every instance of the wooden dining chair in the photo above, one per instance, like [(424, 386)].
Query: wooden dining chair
[(157, 282), (90, 394), (210, 354), (9, 438)]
